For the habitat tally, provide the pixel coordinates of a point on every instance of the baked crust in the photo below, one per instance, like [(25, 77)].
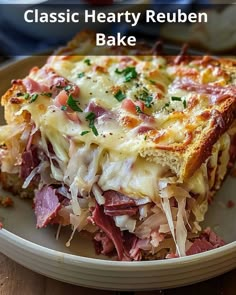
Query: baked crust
[(13, 184), (200, 151)]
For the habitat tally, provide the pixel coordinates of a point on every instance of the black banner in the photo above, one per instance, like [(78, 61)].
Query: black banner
[(38, 29)]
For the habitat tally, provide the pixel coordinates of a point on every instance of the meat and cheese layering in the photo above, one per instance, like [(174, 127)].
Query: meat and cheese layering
[(128, 147)]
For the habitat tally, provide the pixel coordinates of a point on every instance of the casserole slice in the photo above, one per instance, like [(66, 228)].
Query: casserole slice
[(130, 148)]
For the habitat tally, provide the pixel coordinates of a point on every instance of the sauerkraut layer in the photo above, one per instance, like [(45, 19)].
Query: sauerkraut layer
[(120, 200)]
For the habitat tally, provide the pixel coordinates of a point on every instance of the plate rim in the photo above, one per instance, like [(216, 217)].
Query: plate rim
[(116, 265)]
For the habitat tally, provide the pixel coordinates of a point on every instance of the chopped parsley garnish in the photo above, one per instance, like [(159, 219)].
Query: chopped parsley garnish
[(80, 75), (49, 94), (152, 82), (84, 132), (145, 137), (87, 61), (90, 118), (68, 87), (119, 95), (63, 108), (19, 94), (94, 129), (138, 110), (146, 97), (26, 96), (73, 104), (33, 97), (175, 98), (117, 71), (166, 105), (129, 73)]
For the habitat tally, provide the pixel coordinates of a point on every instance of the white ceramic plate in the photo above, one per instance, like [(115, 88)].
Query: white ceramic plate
[(39, 250)]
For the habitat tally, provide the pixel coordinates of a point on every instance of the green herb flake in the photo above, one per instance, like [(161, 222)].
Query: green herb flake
[(119, 95), (90, 117), (48, 94), (166, 105), (138, 110), (26, 96), (145, 137), (94, 129), (64, 108), (84, 132), (185, 103), (73, 104), (33, 97), (68, 87), (152, 82), (146, 97), (80, 75), (129, 73), (19, 94), (175, 98), (117, 71), (148, 102), (87, 61)]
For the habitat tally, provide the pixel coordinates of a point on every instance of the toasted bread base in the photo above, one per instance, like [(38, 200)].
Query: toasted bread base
[(13, 184)]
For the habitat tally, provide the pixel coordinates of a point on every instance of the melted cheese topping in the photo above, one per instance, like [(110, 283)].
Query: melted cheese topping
[(159, 110), (138, 103)]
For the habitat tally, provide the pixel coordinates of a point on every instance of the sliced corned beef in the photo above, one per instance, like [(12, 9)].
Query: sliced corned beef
[(117, 212), (116, 200), (199, 246), (30, 160), (212, 237), (33, 86), (207, 241), (118, 204), (103, 245), (131, 246), (107, 225), (96, 109), (46, 206)]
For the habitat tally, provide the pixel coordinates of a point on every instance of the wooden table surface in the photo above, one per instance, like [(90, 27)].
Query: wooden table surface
[(17, 280)]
